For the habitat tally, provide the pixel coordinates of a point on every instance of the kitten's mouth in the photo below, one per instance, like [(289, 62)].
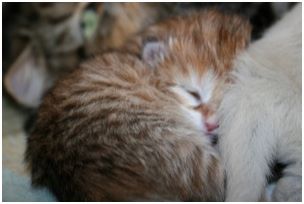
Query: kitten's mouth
[(211, 131)]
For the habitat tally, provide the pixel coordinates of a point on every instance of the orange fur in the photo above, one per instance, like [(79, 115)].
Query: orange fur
[(195, 44)]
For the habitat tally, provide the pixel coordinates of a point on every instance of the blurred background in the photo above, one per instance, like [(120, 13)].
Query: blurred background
[(44, 41)]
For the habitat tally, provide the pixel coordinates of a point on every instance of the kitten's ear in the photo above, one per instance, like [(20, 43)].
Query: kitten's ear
[(27, 79), (154, 52)]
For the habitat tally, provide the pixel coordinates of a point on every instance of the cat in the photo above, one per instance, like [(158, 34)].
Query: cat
[(260, 115), (105, 133), (124, 128), (48, 40), (215, 64), (204, 95)]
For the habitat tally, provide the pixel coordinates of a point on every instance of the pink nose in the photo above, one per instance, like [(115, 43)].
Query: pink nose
[(211, 126)]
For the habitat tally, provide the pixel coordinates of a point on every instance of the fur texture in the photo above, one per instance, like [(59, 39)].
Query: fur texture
[(119, 129), (261, 115), (108, 132), (198, 49)]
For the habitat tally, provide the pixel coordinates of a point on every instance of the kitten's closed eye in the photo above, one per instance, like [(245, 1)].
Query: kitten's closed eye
[(190, 99), (195, 95)]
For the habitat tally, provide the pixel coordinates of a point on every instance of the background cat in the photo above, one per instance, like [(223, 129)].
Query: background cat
[(51, 39)]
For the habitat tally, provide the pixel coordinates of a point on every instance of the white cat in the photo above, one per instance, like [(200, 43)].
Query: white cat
[(261, 115)]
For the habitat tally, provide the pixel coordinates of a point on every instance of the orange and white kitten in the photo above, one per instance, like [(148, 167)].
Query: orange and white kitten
[(194, 54), (118, 130)]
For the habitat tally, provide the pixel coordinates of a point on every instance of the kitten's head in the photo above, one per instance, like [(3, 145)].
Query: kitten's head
[(194, 60)]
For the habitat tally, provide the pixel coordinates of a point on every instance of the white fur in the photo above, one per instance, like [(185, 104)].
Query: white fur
[(207, 86), (188, 104), (195, 118), (204, 86), (261, 115)]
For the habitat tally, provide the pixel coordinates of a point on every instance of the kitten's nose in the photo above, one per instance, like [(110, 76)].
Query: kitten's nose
[(211, 126)]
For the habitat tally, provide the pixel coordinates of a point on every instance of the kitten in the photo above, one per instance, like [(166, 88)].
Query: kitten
[(201, 63), (124, 129), (261, 115)]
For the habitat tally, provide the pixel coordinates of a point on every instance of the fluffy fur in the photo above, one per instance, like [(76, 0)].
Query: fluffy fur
[(110, 132), (198, 50), (261, 115), (117, 130)]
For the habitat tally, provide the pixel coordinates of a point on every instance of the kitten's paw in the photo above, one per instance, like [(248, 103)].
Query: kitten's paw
[(288, 189), (267, 196)]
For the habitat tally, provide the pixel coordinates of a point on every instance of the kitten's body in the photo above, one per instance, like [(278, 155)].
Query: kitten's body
[(108, 133), (262, 115), (119, 130)]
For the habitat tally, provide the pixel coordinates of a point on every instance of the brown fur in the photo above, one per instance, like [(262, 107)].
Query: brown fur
[(114, 131)]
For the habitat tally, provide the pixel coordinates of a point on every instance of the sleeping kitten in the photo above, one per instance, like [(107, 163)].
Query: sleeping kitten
[(199, 50), (124, 129), (261, 115)]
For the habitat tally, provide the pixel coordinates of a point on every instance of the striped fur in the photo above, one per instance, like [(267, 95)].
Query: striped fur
[(109, 132)]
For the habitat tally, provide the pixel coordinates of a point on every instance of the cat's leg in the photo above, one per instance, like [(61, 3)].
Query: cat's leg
[(267, 196), (247, 146), (289, 187)]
